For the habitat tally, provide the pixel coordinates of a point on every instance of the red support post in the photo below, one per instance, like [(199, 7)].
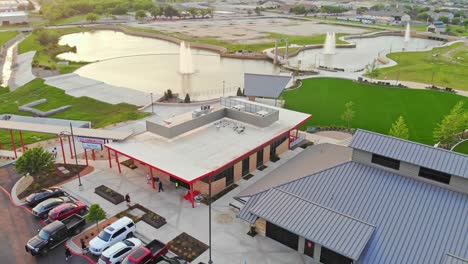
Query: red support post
[(71, 149), (13, 143), (191, 195), (0, 145), (22, 141), (86, 156), (93, 154), (63, 150), (110, 158), (117, 160), (152, 177)]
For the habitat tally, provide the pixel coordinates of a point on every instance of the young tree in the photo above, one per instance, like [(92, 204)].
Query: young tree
[(258, 11), (372, 70), (156, 11), (96, 214), (348, 113), (140, 15), (444, 19), (399, 129), (210, 12), (35, 161), (239, 92), (452, 124), (193, 12), (187, 99), (46, 38), (92, 17)]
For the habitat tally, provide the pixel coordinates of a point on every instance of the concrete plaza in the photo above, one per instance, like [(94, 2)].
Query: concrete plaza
[(230, 242)]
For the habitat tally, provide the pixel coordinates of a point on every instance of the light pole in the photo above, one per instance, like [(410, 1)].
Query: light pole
[(152, 109), (210, 261), (74, 150)]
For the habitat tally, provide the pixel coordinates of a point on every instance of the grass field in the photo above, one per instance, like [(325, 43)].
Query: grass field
[(254, 47), (84, 108), (449, 64), (73, 19), (376, 107), (46, 55), (462, 148), (6, 36)]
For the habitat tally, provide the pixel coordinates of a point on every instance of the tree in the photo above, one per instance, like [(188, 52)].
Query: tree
[(46, 38), (95, 214), (456, 21), (362, 10), (193, 12), (399, 129), (170, 11), (156, 11), (140, 15), (187, 99), (239, 92), (423, 16), (210, 12), (348, 113), (452, 124), (35, 161), (92, 17), (258, 11), (444, 19), (372, 70)]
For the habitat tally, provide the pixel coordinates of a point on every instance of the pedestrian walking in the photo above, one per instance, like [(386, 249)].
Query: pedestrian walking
[(160, 185), (68, 254), (83, 246), (54, 152), (148, 178), (127, 199)]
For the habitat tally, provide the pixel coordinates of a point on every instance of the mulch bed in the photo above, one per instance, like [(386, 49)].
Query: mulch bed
[(129, 164), (248, 176), (109, 194), (262, 167), (55, 177), (187, 247), (148, 216)]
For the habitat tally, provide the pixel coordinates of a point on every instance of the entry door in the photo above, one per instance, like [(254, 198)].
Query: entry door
[(282, 235), (245, 166), (330, 257), (229, 176), (260, 158), (309, 248)]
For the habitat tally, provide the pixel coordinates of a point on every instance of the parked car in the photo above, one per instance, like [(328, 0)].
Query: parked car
[(117, 252), (65, 210), (54, 234), (116, 232), (42, 209), (44, 194), (150, 253)]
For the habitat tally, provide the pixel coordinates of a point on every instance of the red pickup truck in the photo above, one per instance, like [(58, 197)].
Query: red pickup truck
[(152, 252)]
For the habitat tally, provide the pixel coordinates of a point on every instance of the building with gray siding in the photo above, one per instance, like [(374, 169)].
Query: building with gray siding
[(372, 209)]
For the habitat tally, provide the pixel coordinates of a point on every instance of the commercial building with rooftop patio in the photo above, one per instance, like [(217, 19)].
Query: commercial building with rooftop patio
[(221, 143), (395, 201)]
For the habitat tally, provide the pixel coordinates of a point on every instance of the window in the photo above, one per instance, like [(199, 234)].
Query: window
[(130, 225), (118, 233), (386, 162), (434, 175)]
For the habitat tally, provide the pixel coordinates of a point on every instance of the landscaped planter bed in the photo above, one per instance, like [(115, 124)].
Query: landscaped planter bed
[(187, 247), (153, 219), (109, 194)]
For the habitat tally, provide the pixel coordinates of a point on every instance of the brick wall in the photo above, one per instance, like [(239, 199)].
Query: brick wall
[(260, 226), (266, 154), (216, 186), (253, 162), (283, 147), (237, 171)]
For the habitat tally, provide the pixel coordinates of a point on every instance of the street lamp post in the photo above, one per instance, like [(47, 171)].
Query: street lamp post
[(152, 109), (74, 150), (210, 261)]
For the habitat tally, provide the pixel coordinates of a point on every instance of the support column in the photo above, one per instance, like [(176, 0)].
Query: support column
[(86, 156), (63, 151), (22, 141), (13, 143), (71, 149), (117, 160), (110, 158), (0, 145), (152, 177), (191, 195), (93, 154)]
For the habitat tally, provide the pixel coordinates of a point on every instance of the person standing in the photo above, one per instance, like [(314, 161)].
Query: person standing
[(68, 254), (160, 185), (83, 246), (148, 178), (127, 199)]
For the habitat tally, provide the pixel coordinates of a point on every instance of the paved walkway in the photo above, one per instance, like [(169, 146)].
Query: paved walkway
[(22, 72)]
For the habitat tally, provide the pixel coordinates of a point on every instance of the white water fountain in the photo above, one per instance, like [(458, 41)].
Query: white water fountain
[(330, 43), (407, 33), (185, 59)]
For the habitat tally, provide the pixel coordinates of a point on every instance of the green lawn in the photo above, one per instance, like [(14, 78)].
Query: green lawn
[(449, 64), (462, 148), (254, 47), (6, 36), (73, 19), (333, 20), (46, 55), (84, 108), (376, 107)]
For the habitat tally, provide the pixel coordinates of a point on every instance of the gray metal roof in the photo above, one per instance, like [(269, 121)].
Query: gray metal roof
[(415, 222), (451, 259), (422, 155), (314, 222), (260, 85)]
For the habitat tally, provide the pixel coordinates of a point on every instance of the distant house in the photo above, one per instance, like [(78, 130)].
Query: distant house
[(270, 5), (9, 18), (436, 27), (437, 16)]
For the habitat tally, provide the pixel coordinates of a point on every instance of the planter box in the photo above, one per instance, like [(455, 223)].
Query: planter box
[(109, 194), (156, 221)]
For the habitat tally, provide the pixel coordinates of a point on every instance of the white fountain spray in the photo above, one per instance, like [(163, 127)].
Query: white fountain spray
[(407, 33), (330, 43), (185, 59)]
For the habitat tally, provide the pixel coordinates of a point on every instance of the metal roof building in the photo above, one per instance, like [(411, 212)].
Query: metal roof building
[(260, 85), (422, 155), (415, 222), (451, 259)]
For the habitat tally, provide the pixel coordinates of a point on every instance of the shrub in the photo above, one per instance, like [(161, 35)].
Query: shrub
[(35, 161)]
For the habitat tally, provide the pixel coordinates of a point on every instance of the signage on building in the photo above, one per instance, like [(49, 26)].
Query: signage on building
[(91, 146), (91, 140)]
